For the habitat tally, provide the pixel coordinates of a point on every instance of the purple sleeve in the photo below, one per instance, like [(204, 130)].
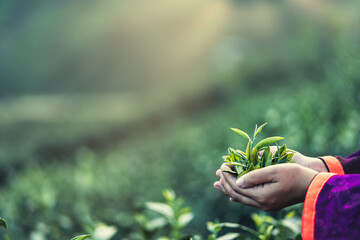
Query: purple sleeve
[(351, 164), (337, 214)]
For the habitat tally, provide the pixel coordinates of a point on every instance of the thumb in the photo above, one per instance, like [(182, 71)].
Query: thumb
[(257, 177)]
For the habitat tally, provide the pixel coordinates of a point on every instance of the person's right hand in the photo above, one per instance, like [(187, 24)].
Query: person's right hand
[(309, 162), (270, 188)]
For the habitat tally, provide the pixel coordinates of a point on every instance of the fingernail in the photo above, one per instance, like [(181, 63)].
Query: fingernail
[(240, 182)]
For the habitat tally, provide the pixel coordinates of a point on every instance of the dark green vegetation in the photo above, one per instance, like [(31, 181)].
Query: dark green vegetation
[(87, 163), (172, 217), (251, 159)]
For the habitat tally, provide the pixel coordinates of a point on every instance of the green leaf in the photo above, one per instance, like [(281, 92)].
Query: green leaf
[(242, 154), (169, 194), (283, 148), (184, 219), (242, 133), (226, 158), (254, 156), (235, 164), (248, 151), (229, 236), (268, 232), (238, 169), (161, 208), (229, 225), (268, 141), (290, 156), (211, 227), (231, 150), (3, 223), (259, 129), (268, 158), (155, 223), (290, 214), (239, 226), (81, 237), (259, 220)]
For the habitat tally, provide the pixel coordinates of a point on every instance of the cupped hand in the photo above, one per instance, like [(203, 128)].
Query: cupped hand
[(270, 188)]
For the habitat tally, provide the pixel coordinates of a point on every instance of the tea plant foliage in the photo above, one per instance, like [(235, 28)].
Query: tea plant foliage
[(250, 159), (171, 215), (267, 228), (3, 223), (81, 237)]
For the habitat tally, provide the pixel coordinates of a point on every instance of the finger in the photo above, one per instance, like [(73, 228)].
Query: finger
[(245, 200), (218, 173), (258, 177), (227, 166), (231, 187), (230, 183), (227, 189), (218, 185)]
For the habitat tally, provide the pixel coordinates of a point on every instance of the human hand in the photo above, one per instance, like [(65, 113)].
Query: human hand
[(309, 162), (270, 188)]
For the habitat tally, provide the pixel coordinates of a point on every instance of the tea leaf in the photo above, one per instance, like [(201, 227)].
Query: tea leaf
[(248, 151), (3, 223), (211, 227), (235, 163), (169, 194), (268, 159), (184, 219), (242, 133), (229, 236), (254, 156), (155, 223), (226, 158), (290, 214), (259, 129), (161, 208), (81, 237), (268, 232), (290, 156), (231, 150), (239, 226), (242, 154), (238, 169), (246, 161), (244, 172), (283, 148), (268, 141)]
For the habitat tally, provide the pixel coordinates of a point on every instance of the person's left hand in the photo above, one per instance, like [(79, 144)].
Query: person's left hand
[(270, 188)]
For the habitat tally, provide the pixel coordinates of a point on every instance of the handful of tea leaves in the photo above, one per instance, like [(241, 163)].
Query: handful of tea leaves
[(248, 160)]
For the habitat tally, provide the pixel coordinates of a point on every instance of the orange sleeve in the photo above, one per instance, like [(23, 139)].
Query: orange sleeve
[(333, 164), (309, 210)]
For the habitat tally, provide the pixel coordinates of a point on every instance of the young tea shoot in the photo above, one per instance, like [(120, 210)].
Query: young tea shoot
[(250, 159)]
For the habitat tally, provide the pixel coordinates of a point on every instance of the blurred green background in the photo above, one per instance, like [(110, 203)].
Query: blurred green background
[(105, 103)]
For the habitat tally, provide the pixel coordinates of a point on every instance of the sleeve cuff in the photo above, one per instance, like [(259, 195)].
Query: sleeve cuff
[(309, 211), (333, 164)]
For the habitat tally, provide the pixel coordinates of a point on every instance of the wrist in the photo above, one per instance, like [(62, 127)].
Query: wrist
[(317, 165), (307, 176)]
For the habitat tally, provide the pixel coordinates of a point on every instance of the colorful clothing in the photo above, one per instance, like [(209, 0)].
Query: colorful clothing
[(332, 202)]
